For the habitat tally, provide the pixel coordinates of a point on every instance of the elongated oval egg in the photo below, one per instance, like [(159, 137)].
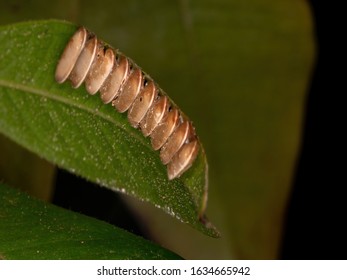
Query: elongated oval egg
[(175, 142), (99, 70), (70, 55), (183, 159), (129, 92), (110, 88), (83, 63), (142, 104)]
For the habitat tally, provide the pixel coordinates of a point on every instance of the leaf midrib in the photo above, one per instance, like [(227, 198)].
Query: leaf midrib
[(69, 102)]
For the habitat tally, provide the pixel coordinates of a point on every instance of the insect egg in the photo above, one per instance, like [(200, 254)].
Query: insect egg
[(99, 70), (183, 159), (129, 92), (154, 115), (167, 126), (83, 63), (175, 142), (142, 104), (110, 88), (70, 55)]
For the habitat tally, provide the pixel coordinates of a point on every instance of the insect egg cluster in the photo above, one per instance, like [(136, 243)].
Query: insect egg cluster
[(123, 84)]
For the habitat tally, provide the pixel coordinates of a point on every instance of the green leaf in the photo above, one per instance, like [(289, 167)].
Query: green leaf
[(31, 229), (76, 131)]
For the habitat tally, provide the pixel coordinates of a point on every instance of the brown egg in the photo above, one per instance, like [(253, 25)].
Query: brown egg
[(70, 55), (175, 142), (83, 63), (110, 88), (129, 92), (183, 159), (100, 69), (142, 104), (166, 127), (154, 115)]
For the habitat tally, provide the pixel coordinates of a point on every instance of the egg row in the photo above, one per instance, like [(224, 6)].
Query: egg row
[(123, 84)]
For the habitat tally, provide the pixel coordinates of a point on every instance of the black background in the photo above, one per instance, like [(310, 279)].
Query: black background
[(316, 216)]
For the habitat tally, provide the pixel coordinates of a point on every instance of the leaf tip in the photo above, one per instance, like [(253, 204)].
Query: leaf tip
[(212, 231)]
